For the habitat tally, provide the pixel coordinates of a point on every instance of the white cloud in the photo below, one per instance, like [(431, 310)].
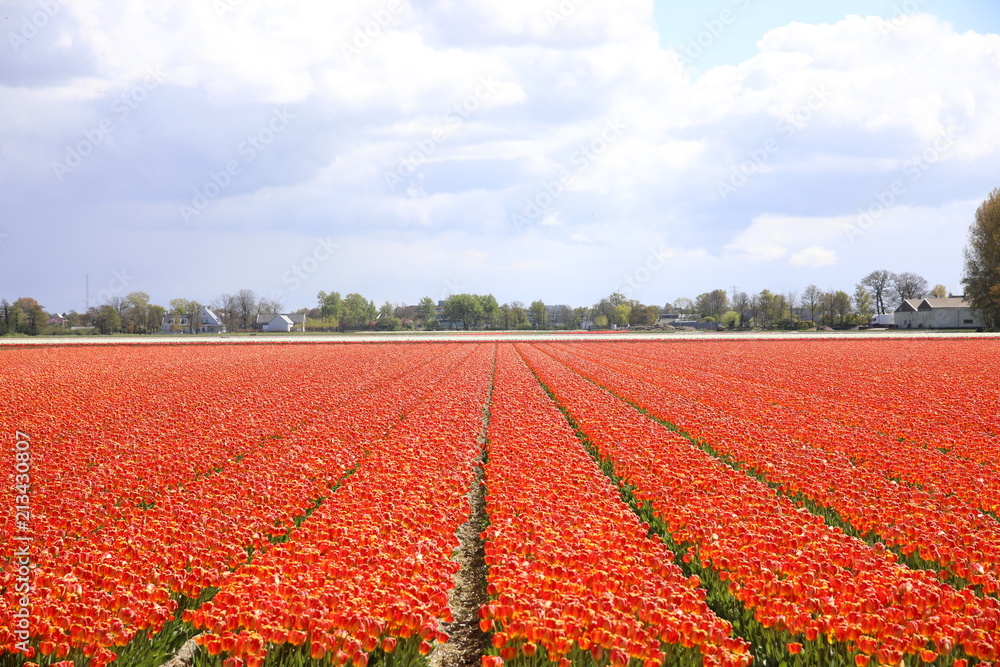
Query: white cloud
[(864, 102), (813, 257)]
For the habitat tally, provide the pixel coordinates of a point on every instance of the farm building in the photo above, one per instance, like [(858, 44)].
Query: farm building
[(952, 312)]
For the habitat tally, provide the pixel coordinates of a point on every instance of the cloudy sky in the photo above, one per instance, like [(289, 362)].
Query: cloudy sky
[(534, 149)]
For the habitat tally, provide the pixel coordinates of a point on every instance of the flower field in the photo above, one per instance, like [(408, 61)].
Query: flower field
[(729, 502)]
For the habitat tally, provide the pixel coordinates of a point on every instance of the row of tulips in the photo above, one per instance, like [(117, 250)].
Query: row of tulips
[(824, 596), (917, 389), (927, 526), (914, 391), (192, 535), (573, 577), (368, 574)]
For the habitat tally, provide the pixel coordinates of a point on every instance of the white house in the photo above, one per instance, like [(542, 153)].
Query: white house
[(298, 321), (952, 312), (206, 322), (280, 323)]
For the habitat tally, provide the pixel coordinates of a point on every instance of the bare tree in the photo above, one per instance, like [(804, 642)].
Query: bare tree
[(908, 285), (880, 284), (245, 306), (812, 296)]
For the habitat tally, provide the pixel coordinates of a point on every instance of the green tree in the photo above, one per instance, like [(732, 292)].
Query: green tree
[(329, 306), (712, 304), (136, 313), (107, 320), (644, 315), (427, 313), (491, 311), (863, 303), (519, 316), (939, 291), (731, 319), (621, 314), (981, 275), (357, 312), (33, 319), (464, 308), (540, 314), (386, 319), (841, 305)]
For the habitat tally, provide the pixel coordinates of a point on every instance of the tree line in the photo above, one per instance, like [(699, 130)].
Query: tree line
[(877, 293)]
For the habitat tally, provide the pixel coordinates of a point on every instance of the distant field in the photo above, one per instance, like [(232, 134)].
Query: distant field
[(490, 335), (614, 499)]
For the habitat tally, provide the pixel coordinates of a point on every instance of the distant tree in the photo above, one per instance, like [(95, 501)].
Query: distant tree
[(154, 318), (464, 308), (246, 308), (811, 298), (358, 312), (644, 315), (386, 319), (981, 274), (684, 306), (907, 285), (329, 306), (490, 309), (540, 314), (427, 313), (879, 283), (601, 322), (730, 319), (741, 301), (136, 312), (939, 291), (519, 316), (34, 320), (407, 315), (712, 304), (863, 303), (841, 305), (579, 315), (108, 320), (622, 313), (5, 307)]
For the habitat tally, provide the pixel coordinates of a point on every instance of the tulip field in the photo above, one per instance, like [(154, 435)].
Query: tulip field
[(487, 502)]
